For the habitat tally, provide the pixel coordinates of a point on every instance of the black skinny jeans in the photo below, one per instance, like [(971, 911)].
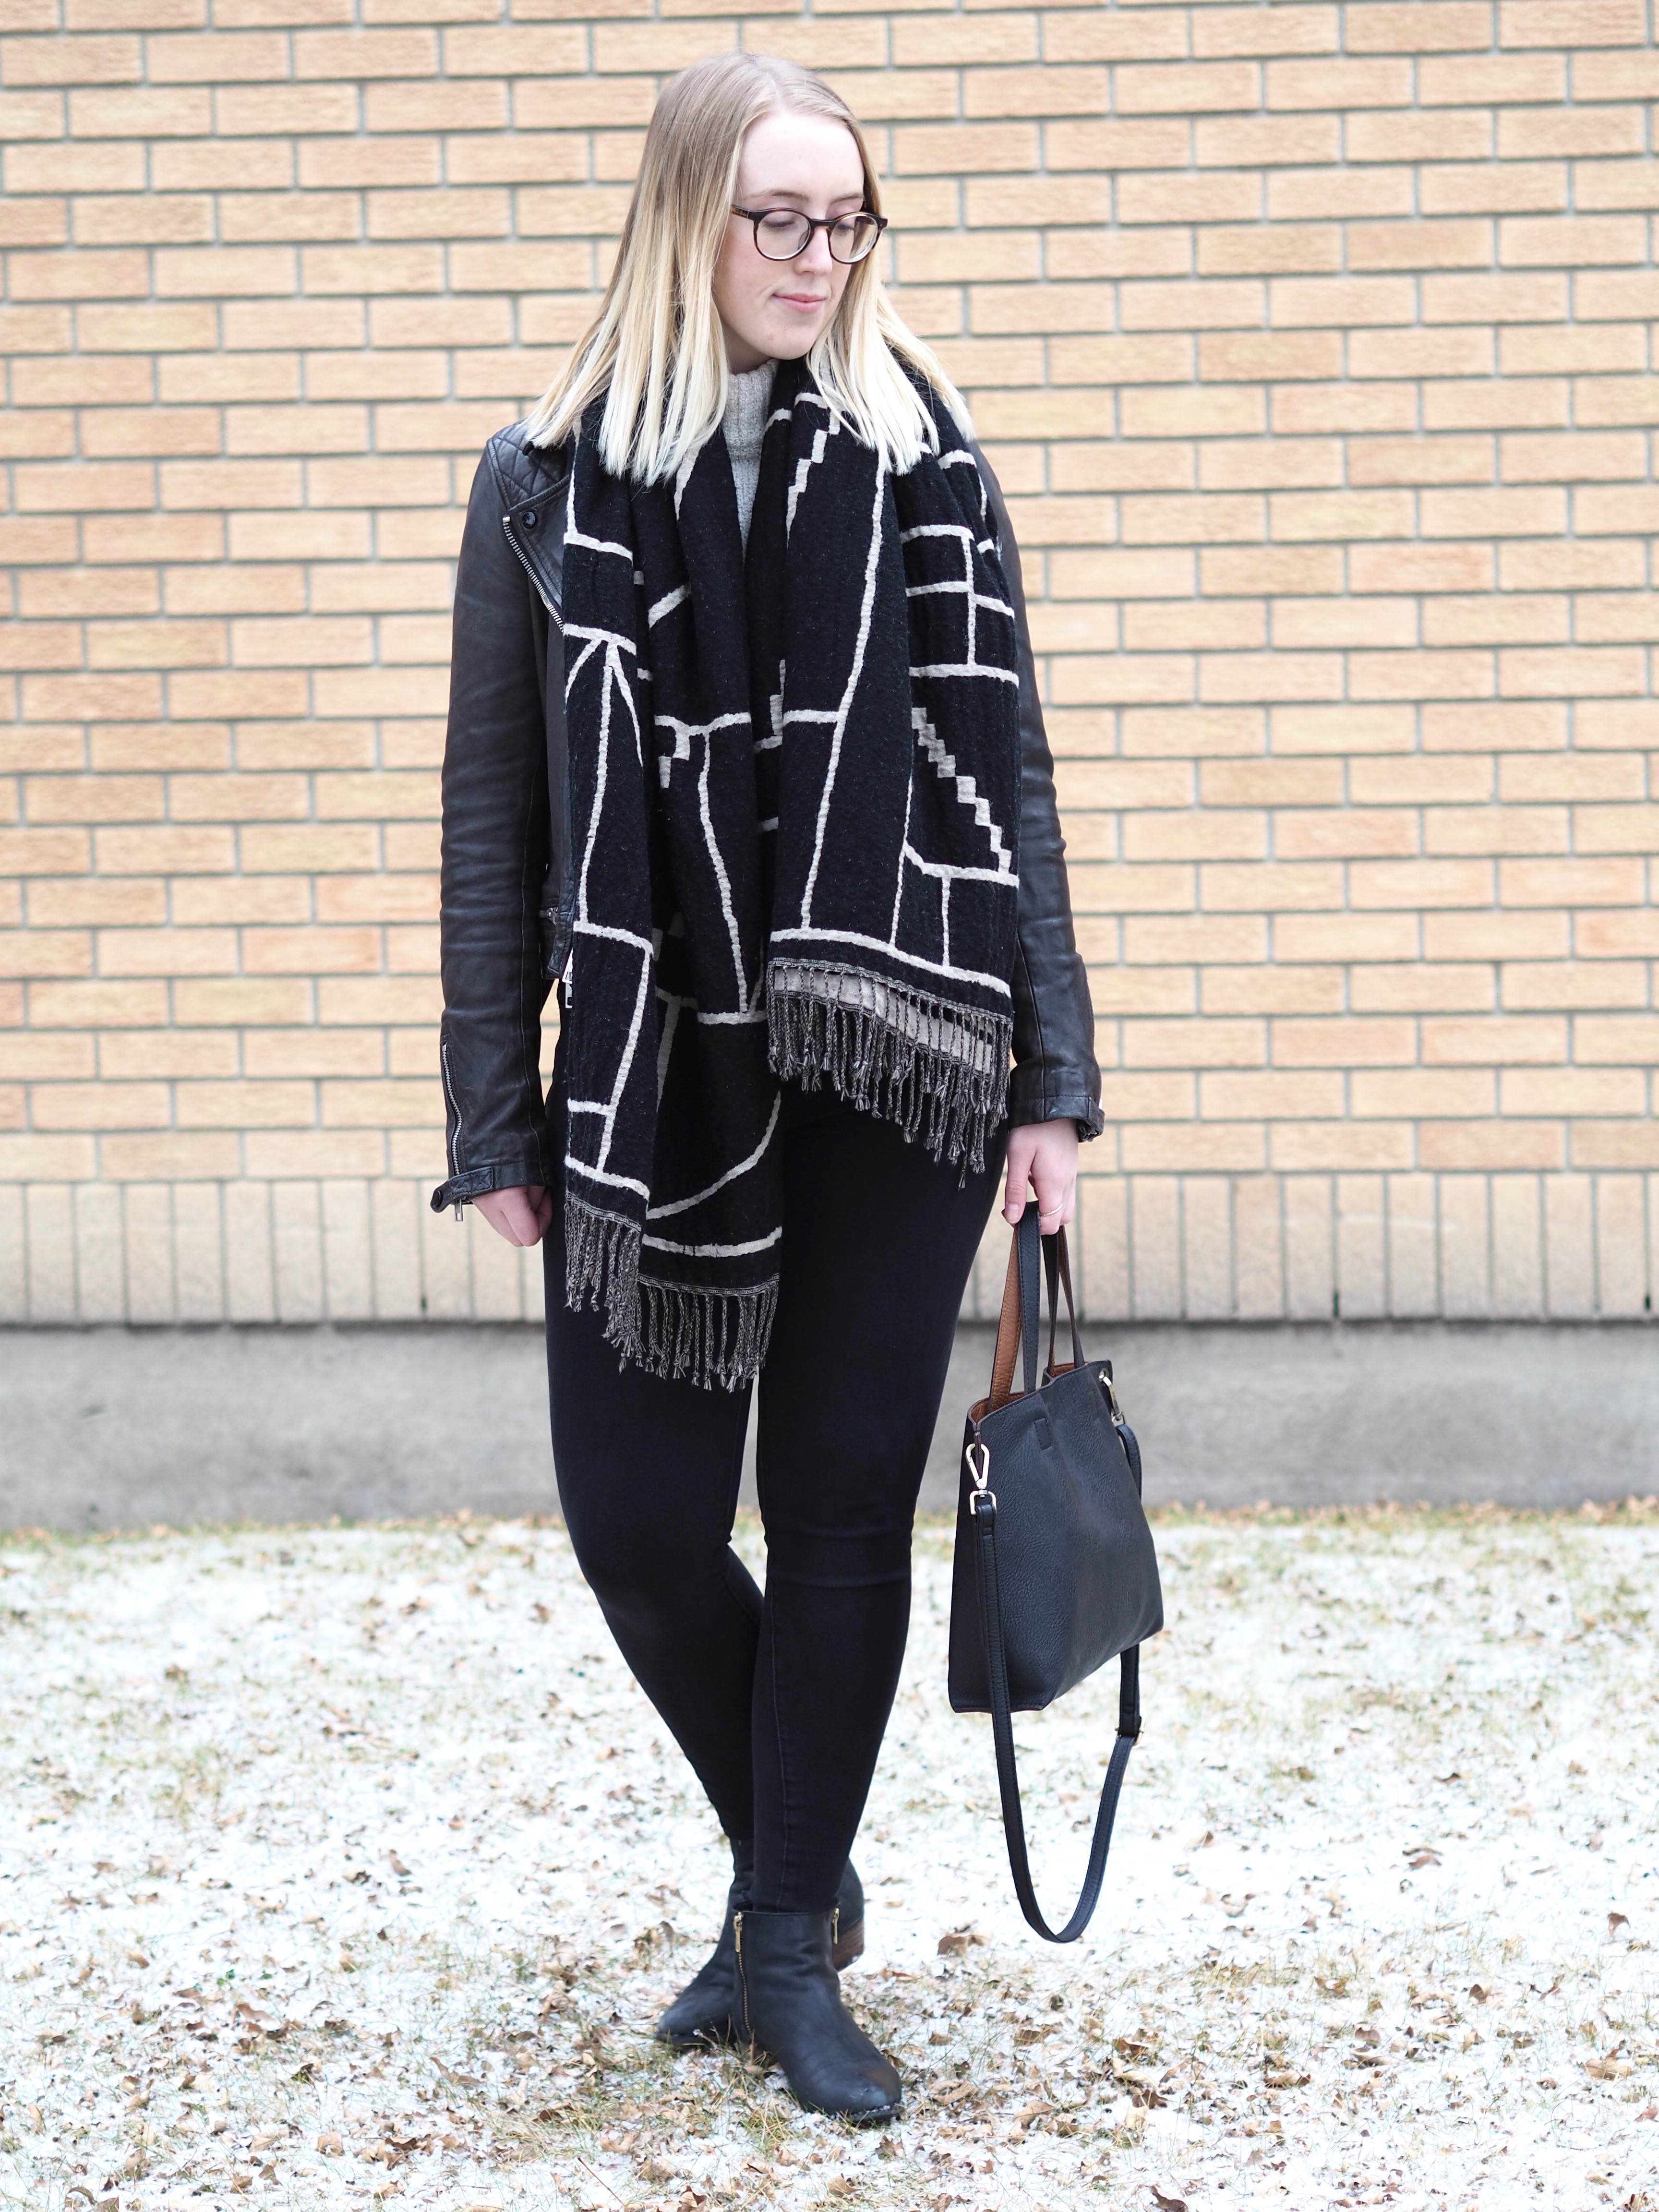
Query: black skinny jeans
[(779, 1701)]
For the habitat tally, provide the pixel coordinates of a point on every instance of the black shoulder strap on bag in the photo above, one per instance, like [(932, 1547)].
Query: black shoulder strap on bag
[(983, 1507), (1002, 1728)]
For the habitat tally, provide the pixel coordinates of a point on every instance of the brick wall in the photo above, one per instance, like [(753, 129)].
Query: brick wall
[(1315, 346)]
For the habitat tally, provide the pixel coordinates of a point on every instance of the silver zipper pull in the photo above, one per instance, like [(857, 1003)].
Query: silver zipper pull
[(737, 1933)]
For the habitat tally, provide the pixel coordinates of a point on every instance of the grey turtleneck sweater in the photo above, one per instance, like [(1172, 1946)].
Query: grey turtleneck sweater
[(748, 398)]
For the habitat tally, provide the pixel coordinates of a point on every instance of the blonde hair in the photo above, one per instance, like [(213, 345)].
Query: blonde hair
[(656, 350)]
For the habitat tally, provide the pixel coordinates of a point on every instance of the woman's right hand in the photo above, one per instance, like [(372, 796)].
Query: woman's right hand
[(521, 1213)]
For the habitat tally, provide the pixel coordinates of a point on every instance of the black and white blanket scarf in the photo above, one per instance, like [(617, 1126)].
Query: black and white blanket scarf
[(795, 798)]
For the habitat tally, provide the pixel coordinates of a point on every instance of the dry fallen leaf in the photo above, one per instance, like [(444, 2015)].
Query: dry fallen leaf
[(1166, 2200)]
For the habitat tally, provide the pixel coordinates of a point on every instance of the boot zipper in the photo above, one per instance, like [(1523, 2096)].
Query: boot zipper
[(835, 1925), (742, 1977)]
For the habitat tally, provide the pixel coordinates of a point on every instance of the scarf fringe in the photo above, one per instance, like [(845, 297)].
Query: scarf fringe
[(679, 1331), (935, 1068)]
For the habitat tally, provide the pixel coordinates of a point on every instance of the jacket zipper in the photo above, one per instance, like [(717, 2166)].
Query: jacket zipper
[(524, 562), (455, 1116)]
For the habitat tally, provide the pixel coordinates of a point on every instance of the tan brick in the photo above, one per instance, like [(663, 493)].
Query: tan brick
[(274, 1054), (1188, 87), (1345, 834), (97, 1005), (1118, 145), (1270, 1094), (133, 1054), (1449, 620), (213, 1002), (1529, 512), (240, 899), (1422, 988), (1345, 1147), (84, 60), (1492, 1145), (1570, 23), (1418, 1093), (1507, 725), (1559, 131), (1616, 1144), (1461, 936), (218, 56), (1570, 671), (1329, 621), (1527, 1090), (80, 900), (1458, 188), (1341, 729), (1613, 936), (1327, 194), (1494, 1041), (1351, 1042), (1615, 829), (37, 952), (1616, 1038), (1204, 1148), (1265, 141), (1119, 990), (1421, 883), (1275, 990), (1225, 570), (175, 1157), (1423, 567), (1487, 80), (1167, 1095), (100, 1107)]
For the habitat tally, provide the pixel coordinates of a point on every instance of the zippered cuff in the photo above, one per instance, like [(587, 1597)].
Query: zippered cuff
[(461, 1190)]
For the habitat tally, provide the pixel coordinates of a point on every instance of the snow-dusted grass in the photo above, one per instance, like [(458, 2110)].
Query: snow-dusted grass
[(348, 1863)]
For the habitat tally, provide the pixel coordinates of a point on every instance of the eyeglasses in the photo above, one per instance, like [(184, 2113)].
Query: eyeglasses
[(782, 233)]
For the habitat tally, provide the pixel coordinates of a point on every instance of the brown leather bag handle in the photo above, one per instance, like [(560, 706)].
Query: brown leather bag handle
[(1022, 1307), (1002, 1365)]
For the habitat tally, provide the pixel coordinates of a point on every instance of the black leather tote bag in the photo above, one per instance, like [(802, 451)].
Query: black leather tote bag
[(1055, 1571)]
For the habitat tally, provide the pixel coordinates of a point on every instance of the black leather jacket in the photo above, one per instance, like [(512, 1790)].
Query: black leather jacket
[(507, 893)]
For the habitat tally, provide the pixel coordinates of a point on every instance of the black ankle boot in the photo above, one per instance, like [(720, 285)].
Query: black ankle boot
[(707, 2009), (792, 2008)]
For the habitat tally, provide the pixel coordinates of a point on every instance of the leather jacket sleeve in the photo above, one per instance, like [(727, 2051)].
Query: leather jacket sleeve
[(497, 832), (1055, 1076)]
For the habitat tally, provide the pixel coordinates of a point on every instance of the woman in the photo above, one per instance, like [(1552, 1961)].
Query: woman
[(744, 753)]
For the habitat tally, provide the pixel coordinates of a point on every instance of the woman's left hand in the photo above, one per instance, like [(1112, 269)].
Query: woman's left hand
[(1044, 1153)]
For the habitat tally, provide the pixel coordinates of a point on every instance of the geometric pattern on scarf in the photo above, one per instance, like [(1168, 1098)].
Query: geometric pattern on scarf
[(794, 788)]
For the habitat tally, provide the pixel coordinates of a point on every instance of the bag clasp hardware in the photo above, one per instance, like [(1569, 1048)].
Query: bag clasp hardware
[(980, 1468)]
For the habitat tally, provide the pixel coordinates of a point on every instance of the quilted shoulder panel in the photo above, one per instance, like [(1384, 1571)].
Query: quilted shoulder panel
[(525, 470)]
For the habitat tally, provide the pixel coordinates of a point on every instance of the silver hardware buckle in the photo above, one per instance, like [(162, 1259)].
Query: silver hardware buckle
[(980, 1472)]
